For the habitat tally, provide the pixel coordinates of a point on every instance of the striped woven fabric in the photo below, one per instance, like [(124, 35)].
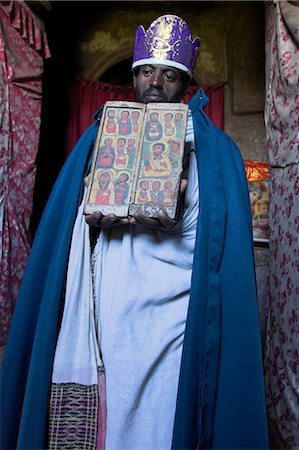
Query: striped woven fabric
[(73, 417)]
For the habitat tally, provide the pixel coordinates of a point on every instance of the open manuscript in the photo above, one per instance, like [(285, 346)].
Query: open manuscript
[(138, 159)]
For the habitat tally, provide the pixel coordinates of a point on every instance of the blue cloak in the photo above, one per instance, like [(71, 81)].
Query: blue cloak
[(220, 401)]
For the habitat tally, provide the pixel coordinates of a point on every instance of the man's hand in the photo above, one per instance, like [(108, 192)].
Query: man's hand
[(97, 219)]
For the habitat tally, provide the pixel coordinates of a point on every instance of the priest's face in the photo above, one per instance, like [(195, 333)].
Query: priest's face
[(159, 83)]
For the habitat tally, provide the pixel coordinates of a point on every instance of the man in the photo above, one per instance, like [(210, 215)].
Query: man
[(159, 344)]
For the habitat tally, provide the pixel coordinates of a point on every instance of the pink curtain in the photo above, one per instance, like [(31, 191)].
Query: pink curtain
[(23, 45), (88, 96), (282, 120)]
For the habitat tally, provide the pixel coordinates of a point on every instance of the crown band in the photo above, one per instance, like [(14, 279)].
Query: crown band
[(164, 62)]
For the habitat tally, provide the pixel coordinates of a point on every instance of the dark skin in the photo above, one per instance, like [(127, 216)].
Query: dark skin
[(152, 83)]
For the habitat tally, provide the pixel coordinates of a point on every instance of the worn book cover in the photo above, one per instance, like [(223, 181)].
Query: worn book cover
[(138, 159)]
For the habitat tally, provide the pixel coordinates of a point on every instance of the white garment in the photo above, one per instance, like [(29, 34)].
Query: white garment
[(142, 283), (77, 356)]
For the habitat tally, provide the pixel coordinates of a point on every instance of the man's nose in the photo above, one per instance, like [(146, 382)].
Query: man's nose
[(157, 80)]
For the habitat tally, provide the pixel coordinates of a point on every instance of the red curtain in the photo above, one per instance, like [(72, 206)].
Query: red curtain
[(23, 47), (88, 96)]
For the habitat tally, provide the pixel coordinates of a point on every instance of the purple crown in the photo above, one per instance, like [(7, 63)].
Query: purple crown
[(167, 41)]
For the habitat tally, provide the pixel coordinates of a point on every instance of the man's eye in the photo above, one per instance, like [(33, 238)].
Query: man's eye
[(170, 76), (146, 72)]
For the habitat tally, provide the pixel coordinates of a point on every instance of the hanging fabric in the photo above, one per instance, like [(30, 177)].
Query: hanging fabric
[(23, 46), (281, 119)]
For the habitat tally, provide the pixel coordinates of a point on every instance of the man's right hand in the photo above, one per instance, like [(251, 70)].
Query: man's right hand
[(97, 219)]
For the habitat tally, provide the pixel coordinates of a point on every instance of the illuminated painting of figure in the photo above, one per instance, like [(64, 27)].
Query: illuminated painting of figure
[(110, 126), (105, 193), (174, 153), (131, 151), (157, 165), (260, 219), (121, 156), (168, 125), (168, 193), (135, 121), (179, 124), (156, 192), (143, 192), (255, 194), (106, 154), (124, 123), (121, 188), (153, 129)]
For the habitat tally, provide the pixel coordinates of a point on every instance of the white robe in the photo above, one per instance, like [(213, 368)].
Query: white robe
[(142, 281)]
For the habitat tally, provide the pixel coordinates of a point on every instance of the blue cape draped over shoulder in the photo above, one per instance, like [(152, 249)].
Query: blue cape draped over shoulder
[(220, 401)]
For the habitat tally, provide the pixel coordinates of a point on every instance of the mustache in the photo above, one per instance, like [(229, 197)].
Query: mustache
[(155, 91)]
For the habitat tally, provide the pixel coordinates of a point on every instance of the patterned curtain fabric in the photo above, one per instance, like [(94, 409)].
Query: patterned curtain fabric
[(282, 127), (23, 45), (88, 96)]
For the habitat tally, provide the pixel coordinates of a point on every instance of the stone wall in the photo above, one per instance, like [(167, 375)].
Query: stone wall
[(245, 92)]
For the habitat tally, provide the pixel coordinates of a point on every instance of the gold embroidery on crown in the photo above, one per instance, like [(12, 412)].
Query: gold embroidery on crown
[(161, 47)]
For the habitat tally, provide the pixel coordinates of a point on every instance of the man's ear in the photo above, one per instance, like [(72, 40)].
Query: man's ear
[(134, 80)]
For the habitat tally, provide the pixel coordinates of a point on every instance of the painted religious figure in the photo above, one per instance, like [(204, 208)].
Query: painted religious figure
[(124, 123), (168, 193), (156, 192), (121, 188), (106, 154), (259, 201), (153, 129), (179, 124), (111, 123), (174, 153), (157, 165), (131, 152), (143, 194), (135, 122), (121, 159), (105, 191), (168, 125)]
